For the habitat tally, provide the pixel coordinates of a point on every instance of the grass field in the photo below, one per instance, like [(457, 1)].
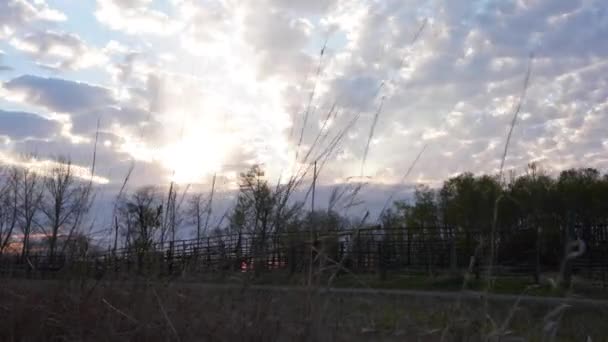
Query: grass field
[(145, 311)]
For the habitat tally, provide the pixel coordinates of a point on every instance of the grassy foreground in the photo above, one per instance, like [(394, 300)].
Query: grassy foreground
[(143, 311)]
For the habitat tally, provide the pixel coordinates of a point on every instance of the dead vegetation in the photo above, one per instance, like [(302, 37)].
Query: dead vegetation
[(146, 311)]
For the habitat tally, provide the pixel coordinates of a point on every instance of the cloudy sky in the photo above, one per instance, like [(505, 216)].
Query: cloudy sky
[(184, 89)]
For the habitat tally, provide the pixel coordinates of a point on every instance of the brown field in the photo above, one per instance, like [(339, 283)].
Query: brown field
[(36, 310)]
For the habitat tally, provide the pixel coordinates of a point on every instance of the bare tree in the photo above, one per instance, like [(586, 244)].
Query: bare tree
[(173, 217), (8, 208), (29, 196), (198, 208), (141, 215), (167, 225), (64, 202), (257, 196), (256, 204), (196, 212)]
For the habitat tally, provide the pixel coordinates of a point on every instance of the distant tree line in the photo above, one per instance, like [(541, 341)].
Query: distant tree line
[(578, 196), (532, 212)]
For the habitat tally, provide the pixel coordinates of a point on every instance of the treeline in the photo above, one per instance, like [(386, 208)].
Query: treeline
[(534, 219), (533, 199)]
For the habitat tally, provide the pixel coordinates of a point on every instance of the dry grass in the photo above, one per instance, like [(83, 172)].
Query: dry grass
[(144, 311)]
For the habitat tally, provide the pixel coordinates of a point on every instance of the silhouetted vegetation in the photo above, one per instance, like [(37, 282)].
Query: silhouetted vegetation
[(545, 224)]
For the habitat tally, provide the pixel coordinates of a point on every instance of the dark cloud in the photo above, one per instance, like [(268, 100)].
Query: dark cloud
[(86, 104), (60, 95), (22, 125)]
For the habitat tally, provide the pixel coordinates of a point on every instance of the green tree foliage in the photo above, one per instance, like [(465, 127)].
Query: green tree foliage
[(536, 212), (466, 201)]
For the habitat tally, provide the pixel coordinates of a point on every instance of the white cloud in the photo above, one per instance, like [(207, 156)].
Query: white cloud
[(134, 17), (58, 50), (18, 14)]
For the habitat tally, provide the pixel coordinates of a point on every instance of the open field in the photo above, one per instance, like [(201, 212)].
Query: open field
[(146, 311)]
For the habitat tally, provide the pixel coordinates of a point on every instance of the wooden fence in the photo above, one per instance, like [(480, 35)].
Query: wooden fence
[(427, 250)]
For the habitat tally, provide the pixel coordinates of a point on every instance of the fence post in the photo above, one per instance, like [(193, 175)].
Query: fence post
[(170, 257), (358, 250), (409, 247), (184, 256), (566, 264), (208, 252), (537, 254), (381, 260), (453, 255)]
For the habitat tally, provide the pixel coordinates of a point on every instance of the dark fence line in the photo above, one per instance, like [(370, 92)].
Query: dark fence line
[(426, 250)]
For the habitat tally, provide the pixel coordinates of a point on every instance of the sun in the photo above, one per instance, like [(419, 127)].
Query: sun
[(221, 116), (195, 156)]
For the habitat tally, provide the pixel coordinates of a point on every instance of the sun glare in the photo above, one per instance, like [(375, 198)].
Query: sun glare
[(194, 157), (220, 117)]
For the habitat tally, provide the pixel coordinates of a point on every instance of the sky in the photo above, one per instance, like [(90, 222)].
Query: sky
[(185, 89)]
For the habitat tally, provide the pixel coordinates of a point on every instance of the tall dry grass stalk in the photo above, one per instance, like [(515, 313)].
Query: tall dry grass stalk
[(502, 163), (382, 99)]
